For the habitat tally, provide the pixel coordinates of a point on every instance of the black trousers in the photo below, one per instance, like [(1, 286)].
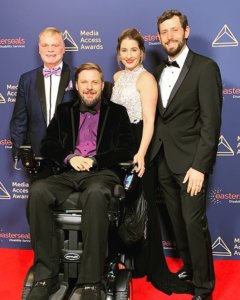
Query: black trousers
[(189, 220), (47, 194)]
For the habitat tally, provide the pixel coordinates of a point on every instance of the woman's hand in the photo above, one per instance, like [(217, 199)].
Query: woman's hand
[(139, 162)]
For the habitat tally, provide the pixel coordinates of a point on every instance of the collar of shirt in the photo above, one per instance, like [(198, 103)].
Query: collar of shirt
[(51, 85)]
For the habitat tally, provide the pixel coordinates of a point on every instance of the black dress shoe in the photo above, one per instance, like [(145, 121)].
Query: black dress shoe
[(184, 274), (41, 290), (172, 284)]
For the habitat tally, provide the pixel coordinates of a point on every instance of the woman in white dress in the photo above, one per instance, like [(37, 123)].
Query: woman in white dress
[(137, 90)]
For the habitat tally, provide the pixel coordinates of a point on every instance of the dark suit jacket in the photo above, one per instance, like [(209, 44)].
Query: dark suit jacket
[(114, 136), (28, 123), (189, 126)]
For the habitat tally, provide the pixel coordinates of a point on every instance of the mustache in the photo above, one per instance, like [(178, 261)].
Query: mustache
[(89, 91)]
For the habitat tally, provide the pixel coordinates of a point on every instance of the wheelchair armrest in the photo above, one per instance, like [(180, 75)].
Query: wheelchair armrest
[(126, 165), (33, 164)]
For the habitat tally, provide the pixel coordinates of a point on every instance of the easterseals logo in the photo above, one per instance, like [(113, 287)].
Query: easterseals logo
[(232, 92), (12, 42), (218, 197), (151, 39), (6, 143), (225, 38), (14, 237)]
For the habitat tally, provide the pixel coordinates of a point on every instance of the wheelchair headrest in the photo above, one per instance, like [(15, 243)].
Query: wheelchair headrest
[(107, 90)]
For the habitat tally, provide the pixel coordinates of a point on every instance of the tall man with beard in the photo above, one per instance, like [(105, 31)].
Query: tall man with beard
[(185, 145), (88, 138)]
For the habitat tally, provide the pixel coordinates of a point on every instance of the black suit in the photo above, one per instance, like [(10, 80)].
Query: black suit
[(186, 136), (114, 140)]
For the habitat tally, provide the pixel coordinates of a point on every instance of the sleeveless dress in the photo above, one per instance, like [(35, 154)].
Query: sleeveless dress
[(148, 254), (125, 93)]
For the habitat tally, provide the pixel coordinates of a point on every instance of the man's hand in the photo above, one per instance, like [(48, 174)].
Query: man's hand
[(195, 181), (80, 163)]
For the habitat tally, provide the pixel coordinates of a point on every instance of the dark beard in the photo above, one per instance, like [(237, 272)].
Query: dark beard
[(175, 52)]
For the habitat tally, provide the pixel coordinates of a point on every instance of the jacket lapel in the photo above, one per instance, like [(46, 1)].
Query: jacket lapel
[(75, 119), (158, 75), (41, 93), (63, 83), (104, 111), (181, 77)]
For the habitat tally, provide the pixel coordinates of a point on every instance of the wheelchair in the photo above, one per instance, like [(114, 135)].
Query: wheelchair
[(117, 279)]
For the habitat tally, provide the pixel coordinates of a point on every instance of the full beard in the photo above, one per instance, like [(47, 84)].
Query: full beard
[(90, 103), (174, 52)]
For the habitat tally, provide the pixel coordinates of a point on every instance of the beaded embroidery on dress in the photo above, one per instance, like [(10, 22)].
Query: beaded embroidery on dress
[(126, 94)]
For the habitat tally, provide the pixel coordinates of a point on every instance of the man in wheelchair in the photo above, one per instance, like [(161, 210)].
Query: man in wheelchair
[(87, 139)]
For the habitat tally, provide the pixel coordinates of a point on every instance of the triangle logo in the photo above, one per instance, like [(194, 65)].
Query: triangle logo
[(3, 192), (70, 44), (225, 38), (224, 149)]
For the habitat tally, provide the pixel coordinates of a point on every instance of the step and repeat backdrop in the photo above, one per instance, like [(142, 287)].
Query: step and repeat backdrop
[(90, 29)]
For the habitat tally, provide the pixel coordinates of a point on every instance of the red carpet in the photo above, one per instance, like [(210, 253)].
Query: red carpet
[(14, 264)]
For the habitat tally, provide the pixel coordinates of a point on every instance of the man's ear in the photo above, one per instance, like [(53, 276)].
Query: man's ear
[(187, 32), (103, 85)]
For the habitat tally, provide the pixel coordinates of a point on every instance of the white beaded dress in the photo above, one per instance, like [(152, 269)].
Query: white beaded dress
[(126, 94)]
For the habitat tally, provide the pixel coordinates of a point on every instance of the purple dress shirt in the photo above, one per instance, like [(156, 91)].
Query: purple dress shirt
[(87, 135)]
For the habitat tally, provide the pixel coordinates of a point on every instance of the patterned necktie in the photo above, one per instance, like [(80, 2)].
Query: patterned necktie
[(48, 72), (171, 63)]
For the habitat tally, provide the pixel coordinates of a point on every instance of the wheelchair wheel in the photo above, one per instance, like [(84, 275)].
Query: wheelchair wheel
[(123, 289)]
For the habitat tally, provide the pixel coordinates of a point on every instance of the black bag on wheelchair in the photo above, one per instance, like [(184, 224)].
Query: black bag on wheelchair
[(133, 225)]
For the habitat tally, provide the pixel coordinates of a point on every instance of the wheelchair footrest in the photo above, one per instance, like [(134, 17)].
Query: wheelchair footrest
[(61, 293)]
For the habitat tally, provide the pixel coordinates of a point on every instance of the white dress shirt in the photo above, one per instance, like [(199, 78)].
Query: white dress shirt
[(51, 84), (170, 75)]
